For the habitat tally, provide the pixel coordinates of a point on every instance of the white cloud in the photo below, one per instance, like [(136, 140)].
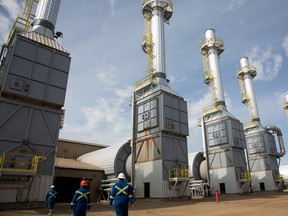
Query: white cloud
[(12, 9), (126, 92), (195, 109), (4, 26), (112, 6), (280, 96), (267, 63), (106, 122), (107, 75), (11, 6), (234, 4), (285, 44)]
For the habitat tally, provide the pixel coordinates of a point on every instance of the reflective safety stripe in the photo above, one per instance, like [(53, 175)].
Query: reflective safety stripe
[(82, 195), (52, 195), (111, 197), (121, 190), (72, 203), (130, 196)]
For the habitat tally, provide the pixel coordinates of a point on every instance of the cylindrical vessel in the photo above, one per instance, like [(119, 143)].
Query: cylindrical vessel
[(286, 98), (252, 103), (213, 58), (158, 12), (46, 16), (157, 30)]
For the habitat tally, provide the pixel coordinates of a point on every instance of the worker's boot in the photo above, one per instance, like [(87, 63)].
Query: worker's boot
[(50, 212)]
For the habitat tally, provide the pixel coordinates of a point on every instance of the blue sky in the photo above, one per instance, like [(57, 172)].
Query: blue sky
[(104, 39)]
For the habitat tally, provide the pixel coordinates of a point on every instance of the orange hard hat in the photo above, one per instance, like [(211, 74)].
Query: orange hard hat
[(83, 183)]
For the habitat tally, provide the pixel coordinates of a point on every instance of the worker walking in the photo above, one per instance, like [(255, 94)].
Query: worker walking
[(51, 198), (121, 194), (81, 200)]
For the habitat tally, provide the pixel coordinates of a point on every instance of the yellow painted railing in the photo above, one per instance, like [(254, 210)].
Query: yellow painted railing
[(178, 174), (24, 163)]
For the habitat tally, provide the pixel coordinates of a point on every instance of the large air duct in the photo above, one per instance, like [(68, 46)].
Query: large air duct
[(46, 16)]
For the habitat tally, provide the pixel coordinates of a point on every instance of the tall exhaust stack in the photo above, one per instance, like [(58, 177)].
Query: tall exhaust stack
[(160, 119), (46, 16), (262, 151), (246, 75), (211, 49), (33, 89), (156, 13), (223, 135)]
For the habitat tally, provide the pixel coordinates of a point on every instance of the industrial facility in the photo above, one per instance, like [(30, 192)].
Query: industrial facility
[(263, 157), (34, 71)]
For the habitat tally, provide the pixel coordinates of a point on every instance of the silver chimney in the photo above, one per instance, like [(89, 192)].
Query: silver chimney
[(46, 16)]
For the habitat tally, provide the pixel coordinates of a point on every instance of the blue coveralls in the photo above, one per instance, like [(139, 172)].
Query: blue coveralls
[(51, 197), (121, 194), (80, 202)]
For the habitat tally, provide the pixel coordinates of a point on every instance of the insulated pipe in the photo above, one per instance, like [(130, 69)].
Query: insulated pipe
[(247, 74), (213, 47), (159, 11), (277, 130), (46, 16)]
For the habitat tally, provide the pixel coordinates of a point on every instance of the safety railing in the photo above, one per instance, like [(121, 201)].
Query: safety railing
[(23, 163), (246, 176), (178, 174)]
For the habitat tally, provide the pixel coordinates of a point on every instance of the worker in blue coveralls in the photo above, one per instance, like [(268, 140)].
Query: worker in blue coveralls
[(122, 194), (81, 200), (51, 198)]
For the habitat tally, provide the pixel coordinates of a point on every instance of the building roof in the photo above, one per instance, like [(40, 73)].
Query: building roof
[(74, 164), (42, 39)]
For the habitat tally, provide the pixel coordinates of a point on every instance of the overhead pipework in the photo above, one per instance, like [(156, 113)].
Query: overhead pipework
[(278, 132), (156, 13), (46, 16), (211, 48), (245, 75)]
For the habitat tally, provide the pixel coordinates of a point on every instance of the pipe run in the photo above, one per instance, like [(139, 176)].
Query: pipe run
[(277, 130)]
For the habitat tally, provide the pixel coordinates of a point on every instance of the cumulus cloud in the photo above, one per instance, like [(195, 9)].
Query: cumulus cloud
[(107, 122), (285, 44), (281, 98), (11, 9), (267, 63), (195, 109), (107, 75), (234, 4), (5, 28), (11, 6), (112, 4)]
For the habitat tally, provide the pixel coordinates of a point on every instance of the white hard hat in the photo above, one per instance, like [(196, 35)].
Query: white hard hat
[(121, 176), (52, 186)]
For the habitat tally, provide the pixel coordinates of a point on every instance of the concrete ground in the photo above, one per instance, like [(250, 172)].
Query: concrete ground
[(257, 204)]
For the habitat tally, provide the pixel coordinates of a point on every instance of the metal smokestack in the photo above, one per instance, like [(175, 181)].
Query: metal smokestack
[(245, 75), (46, 16), (211, 48), (156, 12)]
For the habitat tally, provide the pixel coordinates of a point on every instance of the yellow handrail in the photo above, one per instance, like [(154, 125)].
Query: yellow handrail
[(178, 174), (16, 162)]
